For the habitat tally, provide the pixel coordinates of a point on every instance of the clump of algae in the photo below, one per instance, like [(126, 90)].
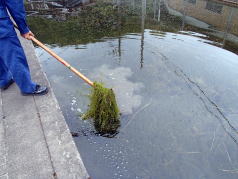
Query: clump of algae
[(103, 109)]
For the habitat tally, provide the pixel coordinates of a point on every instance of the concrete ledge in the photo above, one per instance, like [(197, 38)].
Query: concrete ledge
[(34, 137)]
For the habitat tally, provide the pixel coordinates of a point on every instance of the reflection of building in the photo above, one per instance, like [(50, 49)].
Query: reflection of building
[(211, 12), (59, 3)]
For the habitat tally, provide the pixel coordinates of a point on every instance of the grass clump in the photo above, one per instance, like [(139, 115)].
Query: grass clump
[(103, 110)]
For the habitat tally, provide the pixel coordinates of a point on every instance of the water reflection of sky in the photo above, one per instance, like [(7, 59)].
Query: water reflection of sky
[(179, 104)]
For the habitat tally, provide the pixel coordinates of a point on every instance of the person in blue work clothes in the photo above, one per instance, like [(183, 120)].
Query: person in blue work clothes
[(13, 63)]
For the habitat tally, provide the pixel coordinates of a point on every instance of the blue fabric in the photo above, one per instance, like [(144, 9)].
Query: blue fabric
[(13, 63), (6, 28), (17, 11)]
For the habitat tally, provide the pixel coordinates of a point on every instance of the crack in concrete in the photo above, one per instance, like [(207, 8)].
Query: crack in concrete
[(47, 146)]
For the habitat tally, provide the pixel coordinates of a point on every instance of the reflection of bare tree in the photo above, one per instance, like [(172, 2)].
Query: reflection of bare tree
[(142, 32), (228, 25)]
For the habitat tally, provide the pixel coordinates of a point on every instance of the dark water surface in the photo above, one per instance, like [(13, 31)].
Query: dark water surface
[(177, 92)]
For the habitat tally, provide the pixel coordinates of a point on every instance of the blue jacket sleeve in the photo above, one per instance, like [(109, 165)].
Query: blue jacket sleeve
[(17, 11)]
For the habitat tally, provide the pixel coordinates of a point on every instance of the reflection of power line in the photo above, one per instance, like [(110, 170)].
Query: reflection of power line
[(141, 109), (229, 129)]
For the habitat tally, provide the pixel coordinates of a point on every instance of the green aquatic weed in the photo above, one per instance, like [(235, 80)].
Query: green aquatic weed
[(103, 109)]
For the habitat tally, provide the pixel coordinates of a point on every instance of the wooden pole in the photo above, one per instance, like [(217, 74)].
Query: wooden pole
[(61, 60)]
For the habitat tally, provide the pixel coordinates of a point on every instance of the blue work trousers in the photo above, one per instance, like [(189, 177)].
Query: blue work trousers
[(13, 65)]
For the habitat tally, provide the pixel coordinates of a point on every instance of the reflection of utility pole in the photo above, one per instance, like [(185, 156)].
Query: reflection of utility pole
[(155, 7), (228, 25), (119, 48), (119, 28), (133, 4), (142, 32), (159, 11), (183, 18)]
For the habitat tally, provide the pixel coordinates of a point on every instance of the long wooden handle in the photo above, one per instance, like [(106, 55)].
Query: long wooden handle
[(62, 61)]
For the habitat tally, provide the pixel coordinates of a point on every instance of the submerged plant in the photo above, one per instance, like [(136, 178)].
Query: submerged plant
[(103, 109)]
